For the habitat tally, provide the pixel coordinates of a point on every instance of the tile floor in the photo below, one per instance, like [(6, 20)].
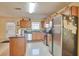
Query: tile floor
[(33, 49), (4, 49), (37, 49)]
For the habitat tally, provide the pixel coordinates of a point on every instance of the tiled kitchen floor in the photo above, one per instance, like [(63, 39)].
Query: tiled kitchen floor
[(4, 49), (37, 49), (33, 49)]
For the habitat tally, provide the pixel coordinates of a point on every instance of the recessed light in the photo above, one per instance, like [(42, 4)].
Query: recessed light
[(17, 8)]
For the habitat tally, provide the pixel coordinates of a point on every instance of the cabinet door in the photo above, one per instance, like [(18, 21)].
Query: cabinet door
[(37, 36), (17, 46)]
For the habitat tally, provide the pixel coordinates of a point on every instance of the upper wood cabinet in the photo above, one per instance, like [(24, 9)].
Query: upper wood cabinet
[(42, 24), (74, 10), (25, 23)]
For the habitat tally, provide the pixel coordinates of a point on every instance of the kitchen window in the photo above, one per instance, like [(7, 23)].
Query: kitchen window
[(36, 25)]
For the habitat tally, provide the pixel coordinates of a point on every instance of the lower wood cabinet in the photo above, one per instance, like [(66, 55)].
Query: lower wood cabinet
[(17, 46), (49, 39), (37, 36)]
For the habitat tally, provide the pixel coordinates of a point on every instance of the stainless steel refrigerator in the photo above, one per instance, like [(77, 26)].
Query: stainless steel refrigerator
[(69, 35)]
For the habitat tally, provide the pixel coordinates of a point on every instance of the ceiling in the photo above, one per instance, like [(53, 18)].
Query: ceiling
[(43, 9)]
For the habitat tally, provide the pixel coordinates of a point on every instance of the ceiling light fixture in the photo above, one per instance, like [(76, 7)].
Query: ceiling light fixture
[(32, 7)]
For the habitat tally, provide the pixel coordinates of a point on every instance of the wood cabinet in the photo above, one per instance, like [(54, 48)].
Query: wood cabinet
[(37, 36), (42, 24), (49, 39), (17, 46), (74, 11)]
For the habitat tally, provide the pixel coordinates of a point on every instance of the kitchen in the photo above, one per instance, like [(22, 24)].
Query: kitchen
[(24, 33)]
